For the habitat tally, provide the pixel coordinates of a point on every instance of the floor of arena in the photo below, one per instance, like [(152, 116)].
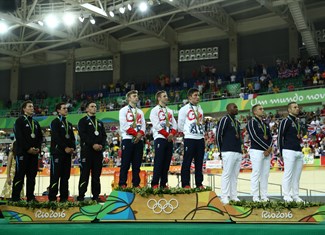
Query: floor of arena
[(160, 228)]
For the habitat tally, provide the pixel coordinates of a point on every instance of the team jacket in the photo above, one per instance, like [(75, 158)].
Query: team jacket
[(188, 124), (60, 128), (255, 128), (226, 135), (287, 134), (129, 116), (23, 131), (87, 130), (159, 122)]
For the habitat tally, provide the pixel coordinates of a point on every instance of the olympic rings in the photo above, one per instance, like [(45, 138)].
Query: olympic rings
[(162, 205)]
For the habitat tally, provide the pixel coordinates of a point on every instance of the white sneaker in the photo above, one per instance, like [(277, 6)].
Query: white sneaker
[(298, 199), (288, 199), (256, 199), (265, 199), (235, 199), (224, 201)]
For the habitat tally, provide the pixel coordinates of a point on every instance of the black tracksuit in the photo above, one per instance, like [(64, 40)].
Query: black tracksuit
[(91, 160), (26, 164), (288, 134), (62, 136)]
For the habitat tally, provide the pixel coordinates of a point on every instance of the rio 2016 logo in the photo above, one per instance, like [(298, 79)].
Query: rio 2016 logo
[(276, 215), (39, 214)]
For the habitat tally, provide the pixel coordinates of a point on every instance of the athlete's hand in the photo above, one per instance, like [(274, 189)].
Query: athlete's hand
[(170, 137)]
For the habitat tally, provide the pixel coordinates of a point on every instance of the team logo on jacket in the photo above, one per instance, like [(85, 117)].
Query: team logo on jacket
[(130, 116), (191, 115)]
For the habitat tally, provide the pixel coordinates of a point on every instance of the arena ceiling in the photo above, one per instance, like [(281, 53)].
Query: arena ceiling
[(166, 22)]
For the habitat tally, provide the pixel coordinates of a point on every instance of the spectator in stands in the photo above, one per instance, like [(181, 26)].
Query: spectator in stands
[(276, 89), (270, 87), (257, 86), (322, 112)]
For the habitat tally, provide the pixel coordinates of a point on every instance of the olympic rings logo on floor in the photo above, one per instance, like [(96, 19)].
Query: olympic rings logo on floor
[(162, 205)]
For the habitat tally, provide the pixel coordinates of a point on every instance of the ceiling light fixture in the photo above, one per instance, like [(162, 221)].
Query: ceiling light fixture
[(81, 18), (3, 27), (129, 7), (122, 9), (143, 6), (91, 19), (41, 23), (51, 21), (111, 13)]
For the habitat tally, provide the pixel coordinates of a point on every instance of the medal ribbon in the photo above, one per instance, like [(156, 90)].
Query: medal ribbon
[(94, 125), (134, 115), (166, 116), (65, 124), (263, 124), (297, 126), (31, 126), (235, 125), (196, 114)]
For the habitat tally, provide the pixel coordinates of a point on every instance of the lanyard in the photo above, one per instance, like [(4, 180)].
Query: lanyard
[(263, 124), (235, 123), (166, 115), (134, 115), (31, 125), (196, 113), (65, 124), (297, 126), (94, 124)]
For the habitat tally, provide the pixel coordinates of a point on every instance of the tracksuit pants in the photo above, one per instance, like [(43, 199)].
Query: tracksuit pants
[(260, 173), (193, 149), (91, 161), (293, 163), (25, 165), (131, 154), (163, 156), (231, 166), (60, 171)]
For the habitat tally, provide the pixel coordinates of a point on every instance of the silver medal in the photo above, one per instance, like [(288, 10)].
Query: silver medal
[(32, 135), (67, 136), (96, 133)]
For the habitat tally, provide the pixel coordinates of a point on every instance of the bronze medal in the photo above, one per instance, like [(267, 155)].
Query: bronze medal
[(237, 136), (265, 137), (134, 125), (299, 136), (168, 124)]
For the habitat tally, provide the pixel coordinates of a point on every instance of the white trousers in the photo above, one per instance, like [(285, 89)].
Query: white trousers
[(231, 166), (293, 163), (260, 173)]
